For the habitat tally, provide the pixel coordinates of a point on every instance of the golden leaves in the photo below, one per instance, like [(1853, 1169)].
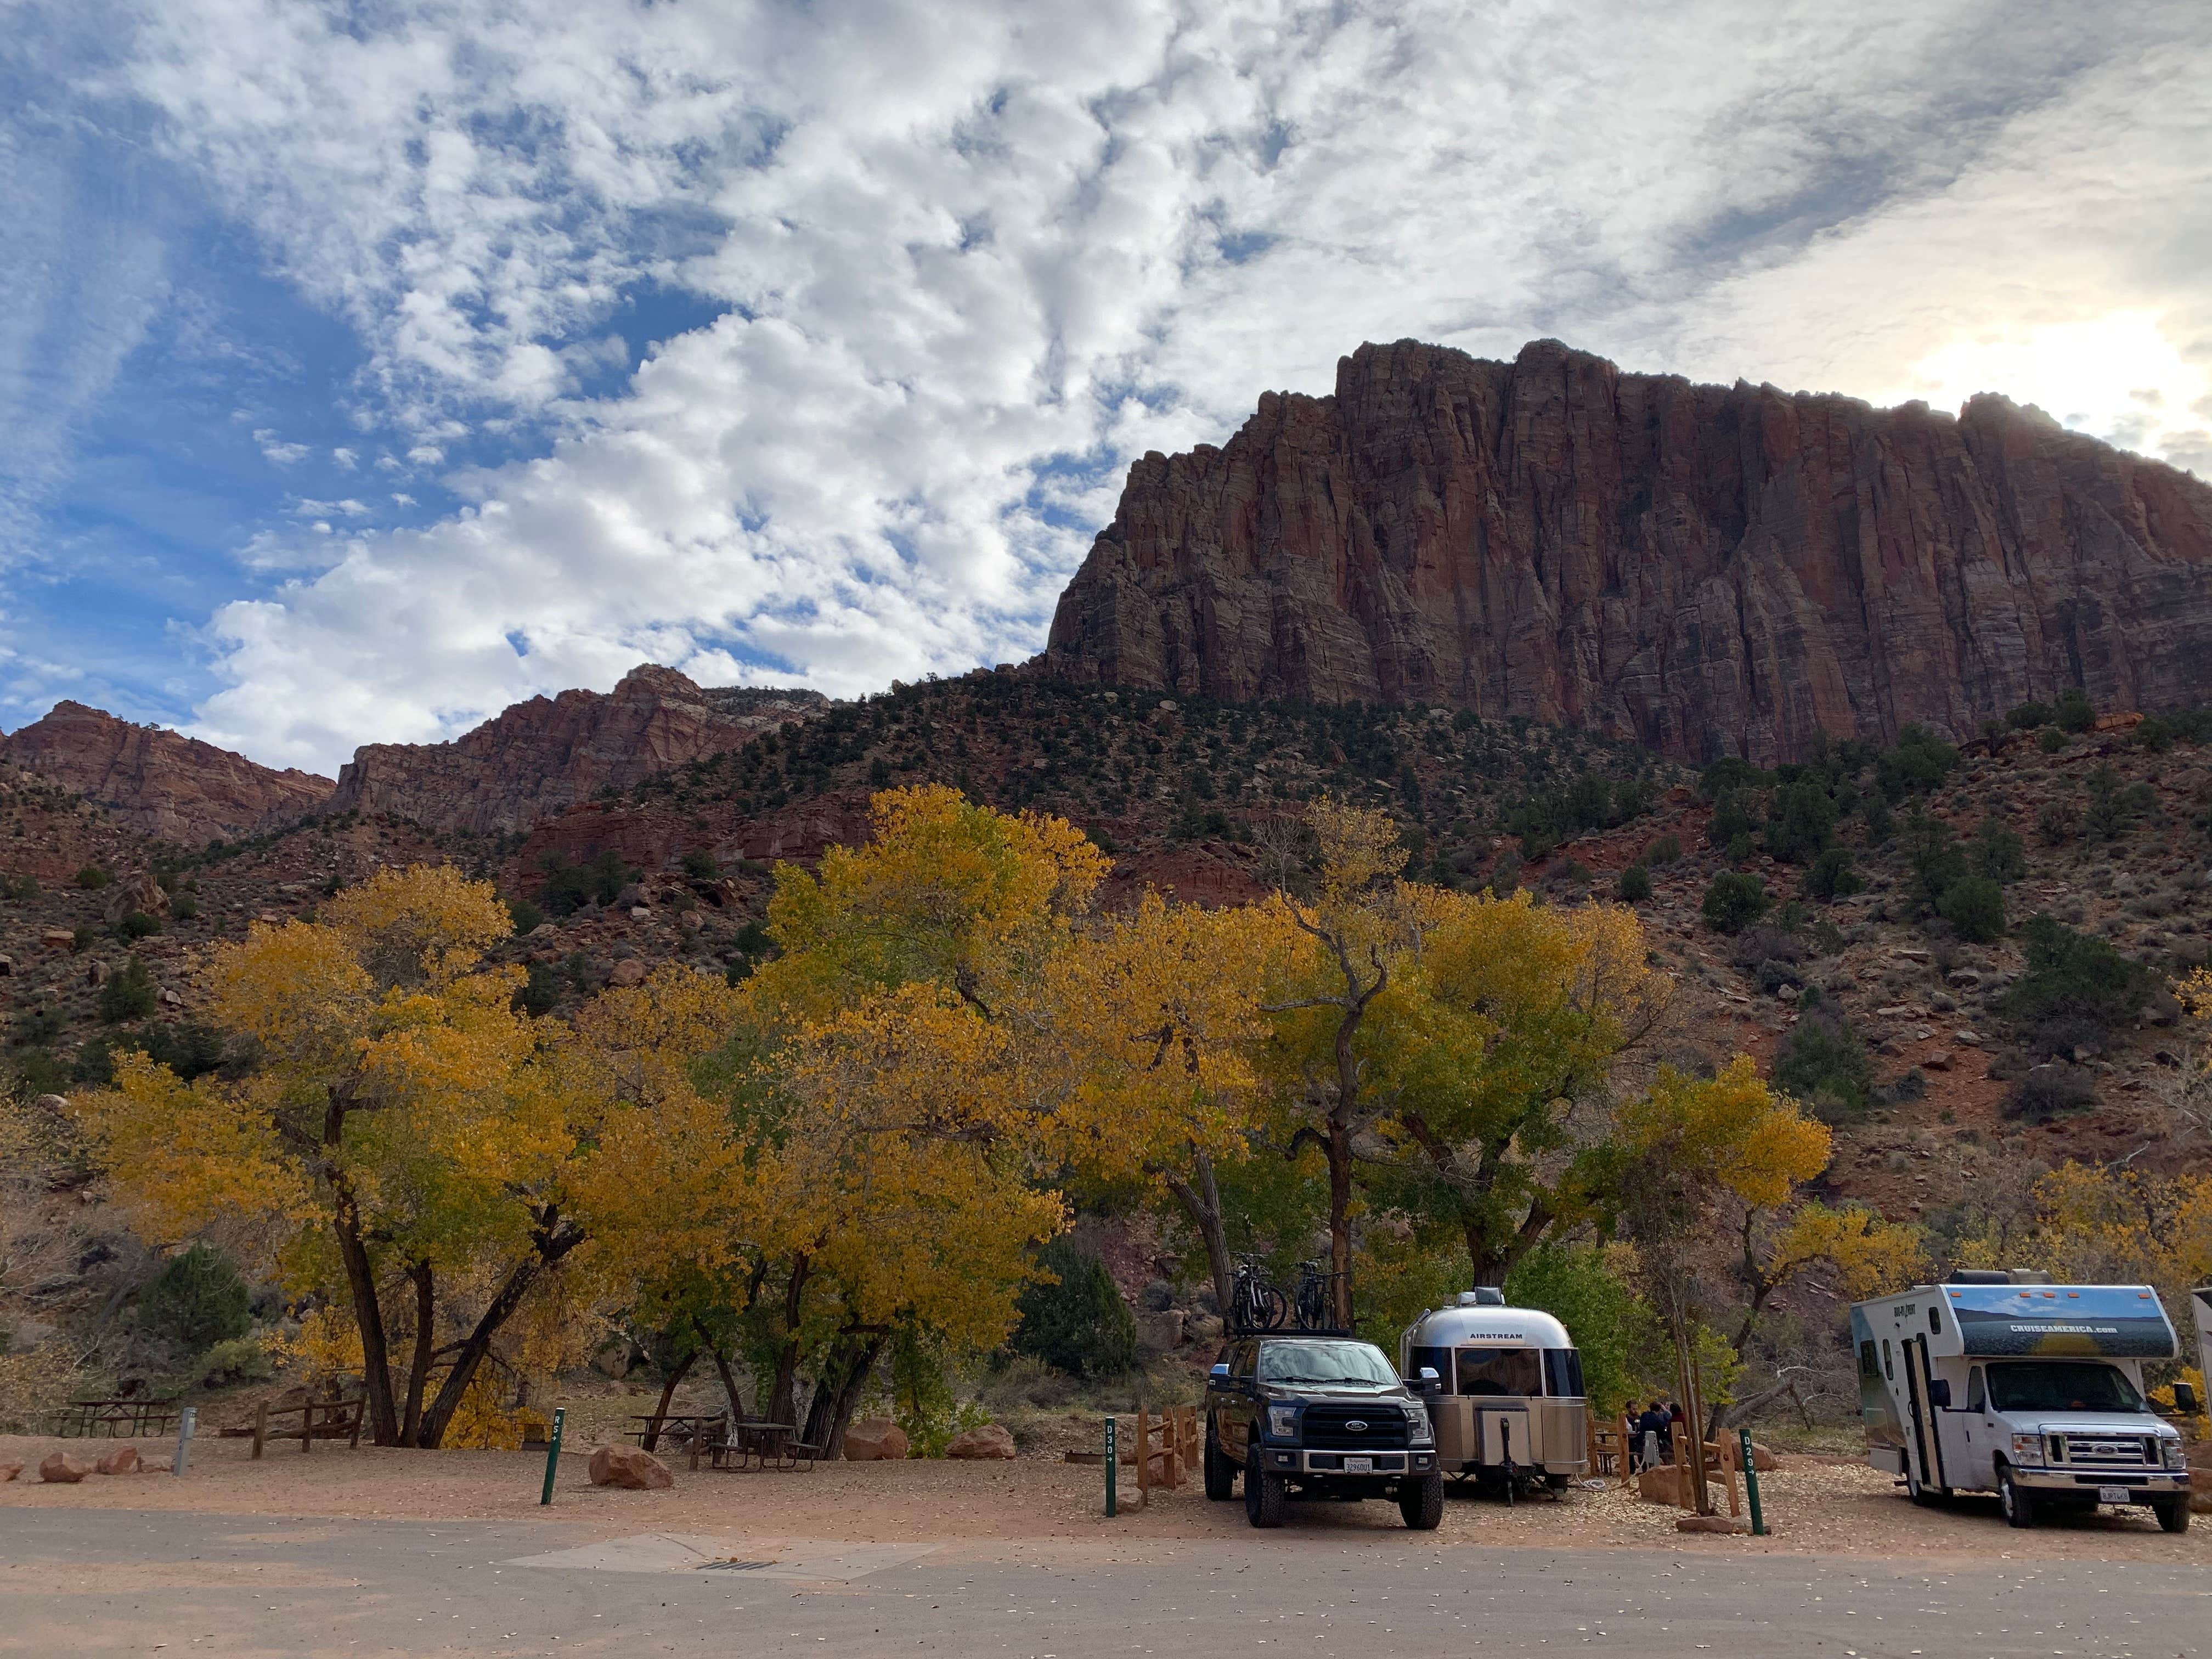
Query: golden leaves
[(1730, 1130)]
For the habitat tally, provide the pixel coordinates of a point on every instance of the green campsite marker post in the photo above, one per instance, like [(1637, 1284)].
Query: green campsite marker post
[(1113, 1459), (553, 1456), (1751, 1488)]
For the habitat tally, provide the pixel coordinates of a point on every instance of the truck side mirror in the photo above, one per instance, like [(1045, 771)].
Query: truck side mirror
[(1428, 1374), (1219, 1373), (1939, 1395), (2184, 1398)]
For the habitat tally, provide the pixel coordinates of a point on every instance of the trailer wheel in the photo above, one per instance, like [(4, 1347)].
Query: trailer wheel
[(2019, 1506), (1264, 1494), (1422, 1502), (2173, 1514), (1220, 1473)]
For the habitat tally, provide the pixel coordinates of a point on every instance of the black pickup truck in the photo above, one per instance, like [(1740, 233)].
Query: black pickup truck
[(1318, 1417)]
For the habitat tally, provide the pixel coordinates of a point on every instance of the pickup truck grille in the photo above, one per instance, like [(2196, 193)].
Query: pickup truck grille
[(2105, 1451), (1328, 1428)]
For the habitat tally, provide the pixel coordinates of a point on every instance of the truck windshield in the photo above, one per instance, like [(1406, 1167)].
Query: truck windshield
[(2030, 1387), (1325, 1362)]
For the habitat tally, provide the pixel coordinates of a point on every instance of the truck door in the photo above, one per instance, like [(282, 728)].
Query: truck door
[(1234, 1422)]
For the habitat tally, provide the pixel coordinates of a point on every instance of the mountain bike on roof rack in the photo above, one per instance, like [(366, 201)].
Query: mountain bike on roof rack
[(1254, 1305)]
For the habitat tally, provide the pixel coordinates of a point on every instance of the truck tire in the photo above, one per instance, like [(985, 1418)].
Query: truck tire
[(1220, 1473), (2173, 1514), (2016, 1500), (1422, 1502), (1263, 1497)]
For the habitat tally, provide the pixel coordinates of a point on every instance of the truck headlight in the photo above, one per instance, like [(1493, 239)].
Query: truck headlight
[(1283, 1422), (2171, 1452), (1417, 1426), (2027, 1449)]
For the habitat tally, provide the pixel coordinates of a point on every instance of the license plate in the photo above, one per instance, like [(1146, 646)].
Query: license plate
[(2115, 1495), (1359, 1466)]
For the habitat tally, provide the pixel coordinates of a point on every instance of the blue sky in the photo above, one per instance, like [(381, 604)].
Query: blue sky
[(370, 365)]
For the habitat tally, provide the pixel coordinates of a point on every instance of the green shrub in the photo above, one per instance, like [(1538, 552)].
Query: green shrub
[(1974, 906), (2075, 711), (1578, 1286), (1997, 853), (2029, 715), (1831, 876), (1733, 901), (1934, 854), (2050, 740), (21, 889), (699, 865), (569, 887), (198, 1299), (2115, 807), (2057, 823), (540, 991), (1800, 820), (2154, 734), (2048, 1091), (1732, 819), (1664, 851), (2076, 989), (1079, 1324), (129, 993), (93, 877), (1920, 760), (1823, 1062), (240, 1359), (1874, 814), (527, 915), (136, 926), (1634, 884), (37, 1072), (185, 908)]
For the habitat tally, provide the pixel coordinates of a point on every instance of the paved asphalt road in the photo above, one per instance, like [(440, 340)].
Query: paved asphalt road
[(92, 1583)]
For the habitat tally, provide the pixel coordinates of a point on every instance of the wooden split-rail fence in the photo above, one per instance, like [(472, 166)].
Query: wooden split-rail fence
[(1175, 1454)]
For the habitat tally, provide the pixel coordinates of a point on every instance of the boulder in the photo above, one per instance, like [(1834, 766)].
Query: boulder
[(1659, 1484), (123, 1460), (1938, 1062), (10, 1470), (1762, 1458), (60, 1468), (1712, 1523), (628, 972), (989, 1441), (875, 1440), (630, 1468), (1161, 1331), (138, 895)]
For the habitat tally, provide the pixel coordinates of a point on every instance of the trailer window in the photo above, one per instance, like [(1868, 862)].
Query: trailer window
[(1500, 1371), (2042, 1386), (1563, 1373), (1869, 1361)]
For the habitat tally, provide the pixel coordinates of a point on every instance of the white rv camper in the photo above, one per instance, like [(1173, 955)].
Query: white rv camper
[(1509, 1408), (2005, 1383)]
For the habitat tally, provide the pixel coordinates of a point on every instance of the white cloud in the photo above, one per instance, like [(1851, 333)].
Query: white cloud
[(275, 449), (347, 459), (972, 259)]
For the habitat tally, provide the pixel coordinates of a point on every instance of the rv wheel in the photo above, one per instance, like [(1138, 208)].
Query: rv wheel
[(2173, 1514), (1920, 1494), (2018, 1506)]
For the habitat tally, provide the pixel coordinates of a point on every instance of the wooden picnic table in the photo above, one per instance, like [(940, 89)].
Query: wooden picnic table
[(762, 1446), (114, 1419), (702, 1429)]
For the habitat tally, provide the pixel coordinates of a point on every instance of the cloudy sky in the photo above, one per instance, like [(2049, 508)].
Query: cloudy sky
[(366, 365)]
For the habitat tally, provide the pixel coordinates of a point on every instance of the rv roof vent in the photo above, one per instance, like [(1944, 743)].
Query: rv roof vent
[(2027, 1276), (1482, 1296), (1979, 1276)]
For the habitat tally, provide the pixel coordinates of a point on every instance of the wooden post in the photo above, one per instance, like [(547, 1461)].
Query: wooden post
[(1144, 1458), (260, 1427), (360, 1411), (307, 1427), (1735, 1497)]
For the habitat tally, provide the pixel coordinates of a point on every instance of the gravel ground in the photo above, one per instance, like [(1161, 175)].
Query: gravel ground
[(1817, 1505)]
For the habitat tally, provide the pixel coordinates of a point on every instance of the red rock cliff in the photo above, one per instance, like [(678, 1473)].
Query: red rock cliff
[(158, 781), (538, 758), (1709, 570)]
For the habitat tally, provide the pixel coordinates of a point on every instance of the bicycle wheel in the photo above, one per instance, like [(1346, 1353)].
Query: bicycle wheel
[(1271, 1309)]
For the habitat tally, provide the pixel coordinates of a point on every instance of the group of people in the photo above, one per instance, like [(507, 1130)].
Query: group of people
[(1660, 1418)]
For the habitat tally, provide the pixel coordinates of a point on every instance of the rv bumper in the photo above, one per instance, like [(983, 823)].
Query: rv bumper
[(2140, 1485)]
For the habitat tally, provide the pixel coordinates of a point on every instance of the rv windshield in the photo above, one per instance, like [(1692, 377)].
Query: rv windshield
[(1501, 1371), (2021, 1386), (1295, 1363)]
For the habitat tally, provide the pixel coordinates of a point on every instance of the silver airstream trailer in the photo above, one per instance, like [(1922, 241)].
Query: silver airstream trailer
[(1509, 1407)]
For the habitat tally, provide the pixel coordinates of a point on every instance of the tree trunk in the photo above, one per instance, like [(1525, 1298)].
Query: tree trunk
[(368, 1316), (1338, 1148), (782, 1402), (1202, 1204), (552, 1242), (849, 1399), (426, 1338), (722, 1367), (668, 1387)]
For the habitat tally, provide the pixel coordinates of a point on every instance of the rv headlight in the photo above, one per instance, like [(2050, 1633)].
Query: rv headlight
[(2027, 1449), (1417, 1426), (2171, 1450), (1283, 1422)]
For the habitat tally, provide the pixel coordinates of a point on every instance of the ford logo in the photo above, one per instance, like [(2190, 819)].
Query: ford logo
[(1356, 1426)]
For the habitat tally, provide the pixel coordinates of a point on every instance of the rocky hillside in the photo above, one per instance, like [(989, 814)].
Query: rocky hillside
[(1709, 570), (163, 785), (538, 758)]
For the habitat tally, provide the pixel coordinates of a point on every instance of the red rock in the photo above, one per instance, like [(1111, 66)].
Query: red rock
[(874, 1439), (60, 1468), (167, 785), (1709, 570), (629, 1467), (538, 758), (123, 1460), (990, 1441), (628, 972), (8, 1471)]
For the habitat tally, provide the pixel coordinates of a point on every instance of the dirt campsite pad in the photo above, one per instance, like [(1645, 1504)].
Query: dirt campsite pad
[(1818, 1504)]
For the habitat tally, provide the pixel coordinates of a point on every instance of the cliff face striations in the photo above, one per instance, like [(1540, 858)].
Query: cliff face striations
[(1708, 570), (160, 782), (538, 758)]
